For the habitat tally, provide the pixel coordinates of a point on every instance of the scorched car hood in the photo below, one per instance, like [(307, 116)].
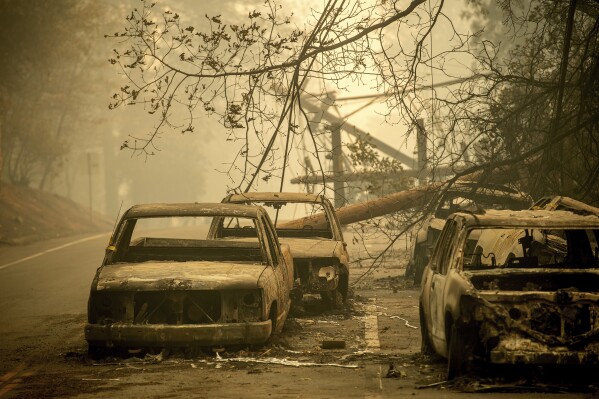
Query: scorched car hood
[(311, 247), (179, 276)]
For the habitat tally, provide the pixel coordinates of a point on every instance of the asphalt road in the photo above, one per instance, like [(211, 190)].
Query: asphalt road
[(43, 295), (47, 279)]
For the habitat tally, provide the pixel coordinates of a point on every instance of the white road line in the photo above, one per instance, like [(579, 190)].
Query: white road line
[(52, 250), (371, 328)]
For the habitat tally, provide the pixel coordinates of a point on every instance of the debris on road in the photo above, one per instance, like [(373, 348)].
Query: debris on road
[(407, 323), (284, 362), (394, 373), (433, 385)]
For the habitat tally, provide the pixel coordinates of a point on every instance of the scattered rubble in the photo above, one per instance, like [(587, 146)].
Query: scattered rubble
[(284, 362)]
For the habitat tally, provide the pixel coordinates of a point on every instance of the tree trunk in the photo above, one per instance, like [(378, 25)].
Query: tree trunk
[(400, 201)]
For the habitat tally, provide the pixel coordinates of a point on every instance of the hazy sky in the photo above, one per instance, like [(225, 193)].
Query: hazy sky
[(208, 147), (190, 167)]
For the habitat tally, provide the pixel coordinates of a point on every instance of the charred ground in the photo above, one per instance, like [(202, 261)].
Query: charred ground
[(293, 364)]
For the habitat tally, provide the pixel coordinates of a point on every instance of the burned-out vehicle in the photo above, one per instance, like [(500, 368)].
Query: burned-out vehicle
[(462, 196), (321, 260), (513, 287), (163, 284)]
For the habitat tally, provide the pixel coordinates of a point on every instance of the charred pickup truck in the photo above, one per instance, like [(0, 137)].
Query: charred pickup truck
[(163, 284), (513, 287), (321, 260), (467, 196)]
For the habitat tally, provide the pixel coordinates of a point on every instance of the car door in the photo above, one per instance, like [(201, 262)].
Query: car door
[(441, 261)]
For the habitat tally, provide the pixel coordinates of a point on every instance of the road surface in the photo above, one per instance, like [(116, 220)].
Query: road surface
[(43, 295)]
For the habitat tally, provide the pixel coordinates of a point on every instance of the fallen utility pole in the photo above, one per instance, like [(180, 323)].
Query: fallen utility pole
[(367, 210), (395, 202), (315, 178)]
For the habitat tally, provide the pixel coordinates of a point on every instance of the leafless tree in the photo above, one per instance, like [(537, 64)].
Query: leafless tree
[(527, 103), (254, 75)]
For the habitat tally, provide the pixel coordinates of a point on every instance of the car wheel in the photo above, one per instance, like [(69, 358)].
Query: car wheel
[(425, 347), (456, 354), (331, 299), (343, 287), (96, 352), (273, 319)]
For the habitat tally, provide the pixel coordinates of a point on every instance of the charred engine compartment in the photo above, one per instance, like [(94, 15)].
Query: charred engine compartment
[(317, 274), (542, 280), (563, 321), (155, 307), (549, 308), (551, 323), (175, 307), (533, 331)]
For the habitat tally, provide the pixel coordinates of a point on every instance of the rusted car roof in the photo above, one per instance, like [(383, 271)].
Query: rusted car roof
[(528, 218), (275, 196), (192, 209)]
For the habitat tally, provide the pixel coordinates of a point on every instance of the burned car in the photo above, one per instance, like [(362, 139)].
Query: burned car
[(163, 284), (513, 287), (462, 196), (321, 260)]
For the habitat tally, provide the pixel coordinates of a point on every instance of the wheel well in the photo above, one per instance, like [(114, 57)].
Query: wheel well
[(448, 325)]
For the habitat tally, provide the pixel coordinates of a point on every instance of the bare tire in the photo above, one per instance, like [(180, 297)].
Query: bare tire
[(96, 352), (331, 299), (273, 319), (456, 354), (343, 287)]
